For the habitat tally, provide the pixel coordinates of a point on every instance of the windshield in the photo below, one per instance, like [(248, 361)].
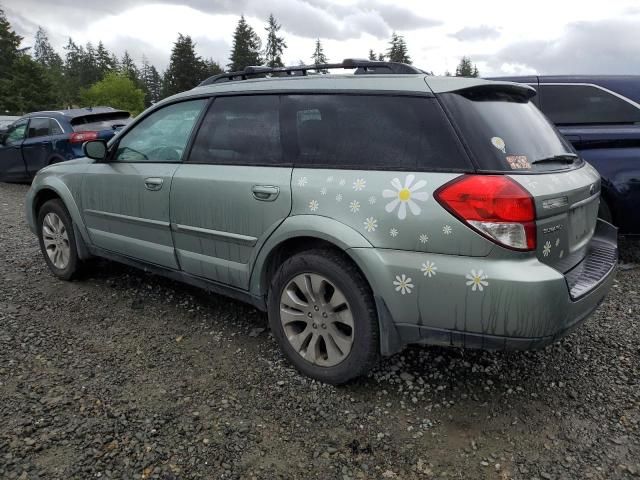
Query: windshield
[(506, 132)]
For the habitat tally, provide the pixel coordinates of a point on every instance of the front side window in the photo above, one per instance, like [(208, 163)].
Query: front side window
[(585, 104), (240, 130), (16, 132), (370, 131), (38, 127), (162, 136)]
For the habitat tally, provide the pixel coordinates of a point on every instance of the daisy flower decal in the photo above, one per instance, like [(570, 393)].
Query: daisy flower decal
[(370, 224), (403, 284), (546, 250), (424, 238), (372, 200), (330, 179), (477, 280), (302, 181), (342, 182), (339, 197), (313, 205), (359, 184), (354, 206), (323, 191), (447, 229), (393, 232), (405, 196), (429, 269)]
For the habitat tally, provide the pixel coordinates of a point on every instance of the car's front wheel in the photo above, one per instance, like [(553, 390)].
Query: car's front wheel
[(322, 313), (57, 239)]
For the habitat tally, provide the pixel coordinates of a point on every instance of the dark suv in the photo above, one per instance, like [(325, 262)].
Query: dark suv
[(600, 116)]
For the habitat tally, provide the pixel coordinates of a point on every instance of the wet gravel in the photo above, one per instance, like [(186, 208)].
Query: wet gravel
[(122, 374)]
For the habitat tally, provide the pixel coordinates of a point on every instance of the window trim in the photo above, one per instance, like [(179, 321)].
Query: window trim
[(586, 84), (113, 147)]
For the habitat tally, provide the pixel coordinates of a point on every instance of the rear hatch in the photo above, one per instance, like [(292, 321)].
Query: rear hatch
[(506, 134)]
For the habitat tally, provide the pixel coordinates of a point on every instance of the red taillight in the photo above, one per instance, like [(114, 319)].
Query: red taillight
[(494, 205), (81, 137)]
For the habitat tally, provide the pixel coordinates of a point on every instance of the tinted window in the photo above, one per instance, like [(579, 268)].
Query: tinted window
[(16, 132), (101, 121), (55, 127), (505, 131), (583, 104), (38, 127), (242, 130), (370, 131), (162, 136)]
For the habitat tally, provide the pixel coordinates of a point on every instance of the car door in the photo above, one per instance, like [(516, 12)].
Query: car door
[(125, 200), (37, 145), (233, 191), (12, 166)]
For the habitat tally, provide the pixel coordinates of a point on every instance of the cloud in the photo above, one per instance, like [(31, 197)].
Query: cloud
[(482, 32), (595, 47)]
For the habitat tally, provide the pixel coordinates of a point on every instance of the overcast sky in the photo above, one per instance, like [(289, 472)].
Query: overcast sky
[(546, 37)]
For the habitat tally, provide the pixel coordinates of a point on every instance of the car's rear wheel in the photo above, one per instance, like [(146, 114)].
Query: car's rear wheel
[(57, 239), (322, 313)]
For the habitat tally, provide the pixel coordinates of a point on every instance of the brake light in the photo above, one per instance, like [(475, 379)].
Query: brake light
[(81, 137), (495, 206)]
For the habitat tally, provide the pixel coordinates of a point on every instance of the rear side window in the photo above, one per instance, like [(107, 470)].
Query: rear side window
[(370, 131), (505, 131), (38, 127), (585, 104), (241, 130), (55, 127)]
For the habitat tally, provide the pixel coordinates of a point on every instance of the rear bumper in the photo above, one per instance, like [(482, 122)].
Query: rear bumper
[(523, 303)]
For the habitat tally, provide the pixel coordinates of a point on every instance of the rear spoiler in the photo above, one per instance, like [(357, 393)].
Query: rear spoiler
[(461, 84)]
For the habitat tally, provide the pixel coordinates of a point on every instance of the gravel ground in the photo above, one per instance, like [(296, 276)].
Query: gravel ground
[(122, 374)]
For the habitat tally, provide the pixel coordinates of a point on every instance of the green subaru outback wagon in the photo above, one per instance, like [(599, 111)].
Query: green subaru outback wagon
[(362, 212)]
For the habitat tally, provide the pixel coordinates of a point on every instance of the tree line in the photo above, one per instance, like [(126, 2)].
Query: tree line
[(40, 78)]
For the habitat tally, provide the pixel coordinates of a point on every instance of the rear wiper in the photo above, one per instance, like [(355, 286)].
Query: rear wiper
[(565, 157)]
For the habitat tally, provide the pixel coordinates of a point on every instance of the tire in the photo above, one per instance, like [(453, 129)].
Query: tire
[(58, 236), (604, 212), (313, 335)]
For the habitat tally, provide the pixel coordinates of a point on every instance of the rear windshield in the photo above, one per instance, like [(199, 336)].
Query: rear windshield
[(101, 121), (505, 131)]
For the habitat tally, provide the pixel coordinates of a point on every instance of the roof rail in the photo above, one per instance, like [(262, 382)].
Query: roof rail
[(360, 65)]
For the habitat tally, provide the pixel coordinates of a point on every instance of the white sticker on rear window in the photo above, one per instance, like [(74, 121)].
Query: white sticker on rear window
[(518, 162), (498, 142)]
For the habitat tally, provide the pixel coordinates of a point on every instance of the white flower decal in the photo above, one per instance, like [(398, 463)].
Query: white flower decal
[(330, 179), (354, 206), (424, 238), (447, 229), (372, 200), (403, 284), (370, 224), (342, 182), (405, 195), (557, 242), (302, 181), (429, 269), (339, 197), (546, 250), (393, 232), (477, 280), (359, 184), (323, 191), (313, 205)]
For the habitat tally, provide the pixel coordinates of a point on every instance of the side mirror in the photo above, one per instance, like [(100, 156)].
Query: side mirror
[(95, 149)]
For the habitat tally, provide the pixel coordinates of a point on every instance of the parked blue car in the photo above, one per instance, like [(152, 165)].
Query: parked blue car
[(42, 138), (600, 116)]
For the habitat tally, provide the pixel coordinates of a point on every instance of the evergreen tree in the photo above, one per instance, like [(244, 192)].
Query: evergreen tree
[(275, 44), (9, 45), (90, 73), (129, 69), (73, 66), (44, 53), (104, 60), (466, 69), (151, 83), (246, 47), (211, 68), (186, 68), (318, 57), (372, 56), (397, 51), (381, 57)]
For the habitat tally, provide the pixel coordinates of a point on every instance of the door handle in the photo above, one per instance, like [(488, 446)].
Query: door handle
[(153, 183), (265, 193)]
